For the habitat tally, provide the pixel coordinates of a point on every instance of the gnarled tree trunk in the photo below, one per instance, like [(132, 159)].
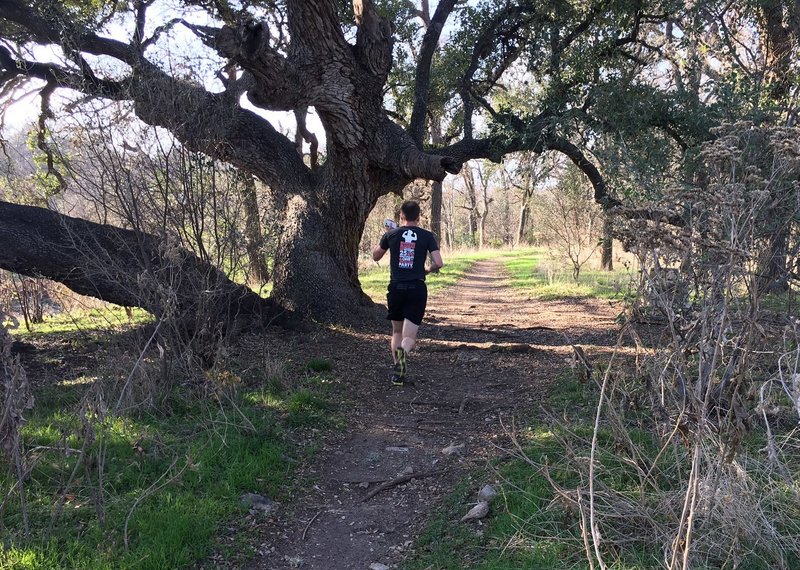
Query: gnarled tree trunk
[(316, 267), (312, 63)]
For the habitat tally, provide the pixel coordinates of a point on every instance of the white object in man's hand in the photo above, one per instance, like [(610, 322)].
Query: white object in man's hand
[(390, 224)]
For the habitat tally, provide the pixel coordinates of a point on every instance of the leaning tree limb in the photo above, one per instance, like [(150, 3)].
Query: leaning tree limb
[(125, 267)]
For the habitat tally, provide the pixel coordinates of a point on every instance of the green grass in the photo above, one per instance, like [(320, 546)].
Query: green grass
[(207, 451), (320, 365), (528, 268), (528, 527), (111, 317), (785, 303), (533, 271)]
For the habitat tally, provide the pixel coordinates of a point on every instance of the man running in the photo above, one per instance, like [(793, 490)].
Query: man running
[(409, 245)]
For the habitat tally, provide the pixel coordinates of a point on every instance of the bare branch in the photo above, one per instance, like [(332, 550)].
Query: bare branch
[(41, 137), (304, 134), (161, 30)]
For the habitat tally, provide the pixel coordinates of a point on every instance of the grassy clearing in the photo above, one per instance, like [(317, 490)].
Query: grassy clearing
[(104, 319), (374, 279), (176, 475), (535, 272)]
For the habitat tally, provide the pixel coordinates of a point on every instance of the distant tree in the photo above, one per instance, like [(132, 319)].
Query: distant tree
[(478, 178), (570, 221)]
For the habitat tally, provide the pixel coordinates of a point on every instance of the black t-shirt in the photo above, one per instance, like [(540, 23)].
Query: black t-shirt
[(408, 247)]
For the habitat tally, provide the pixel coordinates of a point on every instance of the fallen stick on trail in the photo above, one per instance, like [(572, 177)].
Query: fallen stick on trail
[(308, 526), (399, 481)]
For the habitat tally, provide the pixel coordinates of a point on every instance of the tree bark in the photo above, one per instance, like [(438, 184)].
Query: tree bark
[(436, 209), (607, 245), (254, 239), (317, 66), (778, 47), (523, 222), (316, 269), (773, 274), (125, 267), (436, 186)]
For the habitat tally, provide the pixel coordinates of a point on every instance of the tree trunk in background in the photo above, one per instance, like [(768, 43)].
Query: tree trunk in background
[(258, 272), (523, 222), (778, 46), (436, 187), (472, 203), (773, 275), (607, 246), (448, 221), (778, 40), (436, 210), (125, 267)]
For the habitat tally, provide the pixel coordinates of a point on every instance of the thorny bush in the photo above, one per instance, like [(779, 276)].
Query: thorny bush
[(700, 423)]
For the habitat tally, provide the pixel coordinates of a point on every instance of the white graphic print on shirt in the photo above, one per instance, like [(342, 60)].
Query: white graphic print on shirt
[(407, 247)]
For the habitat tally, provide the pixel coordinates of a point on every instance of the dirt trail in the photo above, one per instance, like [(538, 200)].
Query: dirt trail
[(485, 354)]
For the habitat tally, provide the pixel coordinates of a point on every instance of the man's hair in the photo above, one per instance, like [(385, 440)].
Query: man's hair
[(410, 210)]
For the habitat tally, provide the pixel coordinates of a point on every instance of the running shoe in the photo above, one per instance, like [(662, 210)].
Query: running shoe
[(397, 378), (402, 362)]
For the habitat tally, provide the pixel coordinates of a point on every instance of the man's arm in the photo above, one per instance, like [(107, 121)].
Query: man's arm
[(436, 262), (378, 252)]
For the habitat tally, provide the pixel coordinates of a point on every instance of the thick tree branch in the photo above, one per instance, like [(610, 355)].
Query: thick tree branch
[(422, 78), (585, 165), (122, 266), (13, 67), (495, 148), (211, 123), (278, 85), (594, 11), (303, 134), (374, 40), (662, 216), (216, 125), (140, 12), (505, 25), (315, 30), (534, 136), (159, 31), (400, 156), (41, 137), (61, 30)]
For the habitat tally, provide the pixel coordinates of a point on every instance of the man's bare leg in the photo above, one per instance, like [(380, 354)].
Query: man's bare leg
[(409, 335), (397, 338)]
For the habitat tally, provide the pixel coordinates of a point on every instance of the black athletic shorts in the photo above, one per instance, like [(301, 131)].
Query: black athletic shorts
[(407, 301)]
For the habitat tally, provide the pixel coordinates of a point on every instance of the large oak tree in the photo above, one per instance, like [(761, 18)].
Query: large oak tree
[(384, 126)]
